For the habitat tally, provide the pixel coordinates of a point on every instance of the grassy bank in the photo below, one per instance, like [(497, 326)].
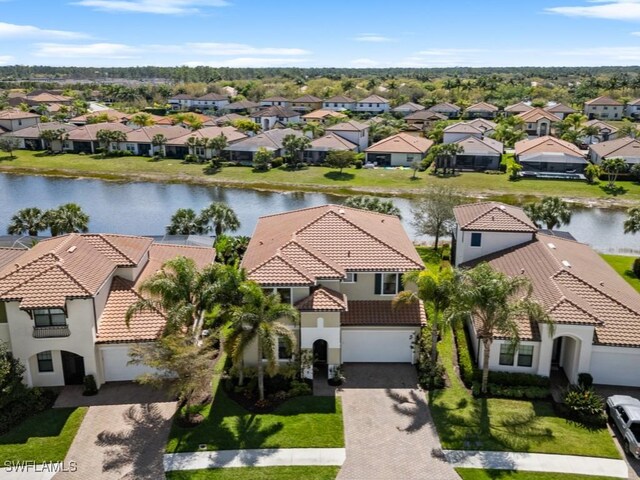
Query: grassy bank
[(478, 474), (623, 264), (378, 181)]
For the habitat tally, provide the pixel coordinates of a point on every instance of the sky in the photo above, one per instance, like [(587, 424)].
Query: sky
[(326, 33)]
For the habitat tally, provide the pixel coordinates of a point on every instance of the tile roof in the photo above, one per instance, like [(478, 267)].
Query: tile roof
[(16, 115), (146, 134), (35, 130), (480, 146), (323, 300), (600, 125), (401, 143), (445, 107), (634, 102), (373, 99), (87, 133), (339, 99), (519, 107), (213, 96), (559, 108), (232, 134), (271, 140), (409, 106), (45, 97), (546, 144), (383, 313), (482, 107), (332, 141), (113, 115), (625, 147), (230, 117), (604, 100), (241, 105), (462, 127), (307, 99), (159, 253), (536, 114), (276, 111), (425, 115), (7, 255), (322, 114), (493, 217), (275, 99), (482, 124), (350, 126)]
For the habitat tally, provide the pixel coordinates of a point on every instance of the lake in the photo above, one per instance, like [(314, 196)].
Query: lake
[(146, 208)]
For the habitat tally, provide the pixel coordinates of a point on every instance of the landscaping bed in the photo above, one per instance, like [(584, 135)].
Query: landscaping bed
[(480, 474), (278, 389), (258, 473)]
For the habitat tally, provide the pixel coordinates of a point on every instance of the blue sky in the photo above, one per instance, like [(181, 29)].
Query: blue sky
[(340, 33)]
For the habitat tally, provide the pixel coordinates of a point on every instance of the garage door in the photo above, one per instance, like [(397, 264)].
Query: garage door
[(377, 346), (114, 362)]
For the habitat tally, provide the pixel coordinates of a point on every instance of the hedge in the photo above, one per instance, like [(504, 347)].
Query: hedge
[(514, 379), (465, 363), (515, 392)]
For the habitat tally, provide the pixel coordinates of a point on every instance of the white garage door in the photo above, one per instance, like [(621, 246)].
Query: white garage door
[(114, 362), (377, 346)]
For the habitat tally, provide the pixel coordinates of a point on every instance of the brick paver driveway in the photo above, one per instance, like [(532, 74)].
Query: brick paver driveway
[(388, 428)]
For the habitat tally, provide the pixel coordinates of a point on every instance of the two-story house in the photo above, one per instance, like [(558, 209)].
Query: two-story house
[(341, 267), (594, 311), (339, 103), (353, 131), (276, 101), (603, 108), (481, 110), (275, 117), (12, 120), (449, 110), (372, 104), (538, 122), (632, 108), (63, 304), (306, 103)]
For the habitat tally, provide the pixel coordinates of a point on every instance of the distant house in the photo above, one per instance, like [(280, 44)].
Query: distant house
[(603, 108), (211, 101), (517, 108), (632, 108), (177, 146), (447, 109), (140, 140), (353, 131), (560, 110), (538, 122), (47, 97), (408, 108), (481, 110), (339, 103), (626, 148), (487, 127), (479, 154), (461, 130), (181, 101), (223, 120), (12, 120), (321, 146), (605, 133), (399, 150), (275, 102), (424, 119), (373, 104), (322, 116), (271, 140), (243, 106), (84, 138), (275, 117), (306, 103), (549, 154), (29, 137), (109, 115)]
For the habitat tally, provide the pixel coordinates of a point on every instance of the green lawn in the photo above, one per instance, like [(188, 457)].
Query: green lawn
[(391, 182), (44, 437), (258, 473), (623, 264), (465, 423), (479, 474)]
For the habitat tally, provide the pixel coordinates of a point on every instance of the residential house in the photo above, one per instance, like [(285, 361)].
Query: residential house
[(322, 116), (447, 109), (605, 133), (341, 267), (487, 127), (227, 119), (560, 110), (399, 150), (481, 110), (626, 148), (460, 131), (109, 115), (604, 108), (211, 101), (632, 108), (353, 131), (320, 147), (156, 119), (181, 101), (48, 98), (595, 313), (63, 305), (339, 103), (140, 140), (275, 117), (12, 120), (518, 108), (177, 146), (373, 104), (306, 103), (29, 138), (549, 154), (84, 139), (408, 108), (479, 154), (424, 119), (271, 140), (275, 102), (241, 107), (538, 122)]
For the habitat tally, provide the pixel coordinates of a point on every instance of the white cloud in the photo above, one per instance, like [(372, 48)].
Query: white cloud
[(255, 62), (448, 52), (372, 37), (236, 49), (635, 34), (364, 62), (162, 7), (607, 9), (5, 59), (10, 30), (91, 50)]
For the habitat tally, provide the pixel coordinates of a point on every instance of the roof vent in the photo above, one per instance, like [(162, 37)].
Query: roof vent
[(341, 211), (521, 271), (493, 218), (566, 263), (72, 249), (502, 207), (601, 283), (552, 246)]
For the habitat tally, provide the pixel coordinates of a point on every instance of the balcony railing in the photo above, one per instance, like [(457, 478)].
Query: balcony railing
[(51, 332)]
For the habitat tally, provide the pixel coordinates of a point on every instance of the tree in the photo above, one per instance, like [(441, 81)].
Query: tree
[(295, 145), (8, 145), (258, 320), (106, 137), (29, 221), (613, 167), (590, 131), (340, 159), (373, 204), (592, 172), (437, 131), (53, 136), (100, 118), (550, 211), (315, 128), (67, 218), (262, 159), (230, 250), (444, 156), (433, 212), (185, 221), (510, 130), (142, 119), (627, 129), (217, 144), (246, 126), (632, 223), (220, 218), (192, 143), (496, 302), (415, 166), (158, 142)]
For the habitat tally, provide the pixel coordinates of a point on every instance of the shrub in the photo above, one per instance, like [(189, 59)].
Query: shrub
[(585, 406), (90, 387), (299, 388), (636, 267), (493, 172), (357, 164), (514, 392), (514, 170), (585, 380), (277, 162), (514, 379), (465, 363), (592, 172), (191, 158)]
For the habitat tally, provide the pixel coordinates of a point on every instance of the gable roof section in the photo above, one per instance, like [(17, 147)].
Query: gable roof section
[(216, 97), (332, 141), (35, 130), (271, 140), (546, 144), (600, 125), (232, 134), (536, 114), (445, 107), (409, 107), (16, 115), (350, 126), (339, 99), (604, 100), (493, 217), (559, 108), (277, 270), (401, 143), (620, 147), (373, 99), (482, 107), (480, 146), (88, 133), (241, 105), (323, 300), (425, 115), (307, 99), (519, 107), (275, 111), (321, 114), (462, 127), (146, 134), (380, 313)]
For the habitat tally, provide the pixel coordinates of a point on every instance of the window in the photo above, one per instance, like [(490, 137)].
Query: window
[(49, 317), (351, 277), (3, 313), (283, 352), (476, 239), (388, 283), (525, 355), (623, 415), (507, 353), (45, 361)]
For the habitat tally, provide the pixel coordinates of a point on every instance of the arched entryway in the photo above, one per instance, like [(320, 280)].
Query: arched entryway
[(565, 357), (320, 355), (72, 368)]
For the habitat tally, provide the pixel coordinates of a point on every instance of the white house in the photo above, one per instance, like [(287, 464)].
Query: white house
[(626, 148), (63, 304), (373, 104), (12, 120), (211, 101), (353, 131), (408, 108), (538, 122), (274, 117), (275, 102), (459, 131), (632, 108), (399, 150), (603, 108), (338, 103), (595, 312), (320, 147)]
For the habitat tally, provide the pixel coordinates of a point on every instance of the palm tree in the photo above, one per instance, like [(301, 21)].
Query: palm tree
[(159, 141), (373, 204), (590, 131), (185, 221), (67, 218), (632, 223), (496, 302), (551, 211), (627, 129), (218, 144), (259, 320), (142, 119), (28, 221), (315, 128), (295, 146), (613, 167), (220, 218)]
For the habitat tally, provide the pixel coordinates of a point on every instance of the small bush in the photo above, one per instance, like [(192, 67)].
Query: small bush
[(465, 363), (357, 164), (513, 379), (277, 162), (513, 170), (514, 392), (493, 172), (299, 388), (585, 380), (585, 406), (636, 267), (90, 387), (191, 158)]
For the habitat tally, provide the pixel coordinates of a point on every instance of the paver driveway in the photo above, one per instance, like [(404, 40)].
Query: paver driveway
[(388, 428)]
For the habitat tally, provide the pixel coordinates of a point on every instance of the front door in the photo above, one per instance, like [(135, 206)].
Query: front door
[(72, 368), (320, 353), (555, 354)]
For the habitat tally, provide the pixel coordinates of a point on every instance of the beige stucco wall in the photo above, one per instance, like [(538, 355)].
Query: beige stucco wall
[(598, 111), (363, 289)]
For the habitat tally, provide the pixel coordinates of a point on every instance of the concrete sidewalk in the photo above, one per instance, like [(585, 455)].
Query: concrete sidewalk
[(263, 457), (538, 462)]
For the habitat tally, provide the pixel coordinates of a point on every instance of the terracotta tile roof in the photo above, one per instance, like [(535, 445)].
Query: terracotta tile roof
[(401, 143), (445, 107), (546, 144), (230, 117), (278, 270), (383, 313), (350, 126), (113, 115), (536, 114), (7, 255), (600, 125), (233, 135), (482, 124), (519, 107), (625, 147), (332, 141), (16, 115), (323, 300), (493, 217), (275, 99), (271, 140), (241, 105), (481, 107), (87, 133), (604, 100), (45, 97), (322, 114), (425, 115), (35, 130), (146, 134), (183, 96), (159, 253), (314, 262), (463, 127), (480, 146), (339, 99), (275, 111), (307, 99), (213, 96), (373, 99), (559, 108)]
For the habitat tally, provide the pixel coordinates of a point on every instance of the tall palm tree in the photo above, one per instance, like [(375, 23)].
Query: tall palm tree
[(159, 141), (551, 211), (373, 204), (590, 131), (220, 218), (315, 128), (185, 221), (632, 223), (613, 167), (28, 221), (259, 320), (192, 144), (217, 144), (496, 302), (142, 119), (67, 218)]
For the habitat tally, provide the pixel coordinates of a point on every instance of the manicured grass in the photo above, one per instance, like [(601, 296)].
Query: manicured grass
[(479, 474), (466, 423), (44, 437), (623, 265), (301, 422), (258, 473), (379, 181)]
